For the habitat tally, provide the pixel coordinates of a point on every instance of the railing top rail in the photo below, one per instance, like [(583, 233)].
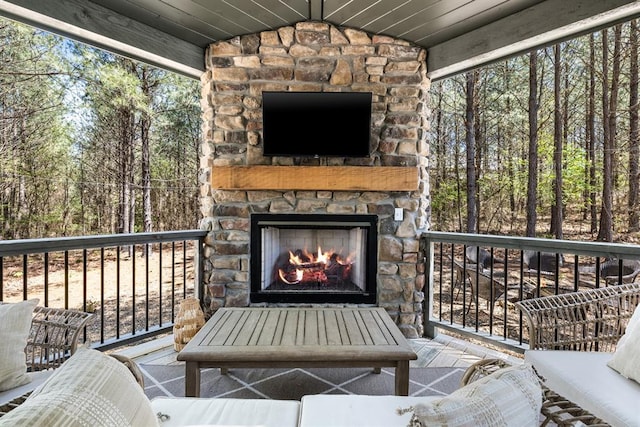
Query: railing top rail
[(597, 249), (30, 246)]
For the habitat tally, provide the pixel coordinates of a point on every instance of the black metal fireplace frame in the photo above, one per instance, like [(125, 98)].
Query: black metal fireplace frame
[(317, 221)]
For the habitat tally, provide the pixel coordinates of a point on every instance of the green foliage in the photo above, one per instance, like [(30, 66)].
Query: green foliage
[(502, 137), (72, 125)]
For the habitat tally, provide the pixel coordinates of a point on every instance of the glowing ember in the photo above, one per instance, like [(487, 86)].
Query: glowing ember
[(320, 268)]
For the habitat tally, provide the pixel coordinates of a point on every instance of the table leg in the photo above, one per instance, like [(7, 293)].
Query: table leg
[(402, 378), (192, 380)]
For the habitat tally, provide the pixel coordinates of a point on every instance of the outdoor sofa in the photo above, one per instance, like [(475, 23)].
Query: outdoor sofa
[(96, 389), (586, 347), (92, 388)]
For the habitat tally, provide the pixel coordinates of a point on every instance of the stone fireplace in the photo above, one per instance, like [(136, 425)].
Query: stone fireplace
[(239, 183)]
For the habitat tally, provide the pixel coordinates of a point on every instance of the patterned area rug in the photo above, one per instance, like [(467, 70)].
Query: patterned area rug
[(295, 383)]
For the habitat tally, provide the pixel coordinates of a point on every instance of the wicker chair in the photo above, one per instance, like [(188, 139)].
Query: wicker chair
[(53, 338), (591, 320)]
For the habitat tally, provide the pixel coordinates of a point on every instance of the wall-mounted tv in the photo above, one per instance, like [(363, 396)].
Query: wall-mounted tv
[(316, 124)]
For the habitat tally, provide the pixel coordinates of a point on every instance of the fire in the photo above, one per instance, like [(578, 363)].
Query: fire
[(322, 267), (320, 258)]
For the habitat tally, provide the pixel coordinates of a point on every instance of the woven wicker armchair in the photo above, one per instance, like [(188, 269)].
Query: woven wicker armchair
[(591, 320), (53, 336)]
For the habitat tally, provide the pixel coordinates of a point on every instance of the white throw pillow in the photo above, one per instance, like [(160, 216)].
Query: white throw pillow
[(634, 321), (508, 397), (89, 389), (15, 322), (625, 360)]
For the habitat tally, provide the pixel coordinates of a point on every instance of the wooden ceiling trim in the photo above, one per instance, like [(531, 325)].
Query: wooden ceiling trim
[(556, 20), (316, 10), (102, 28)]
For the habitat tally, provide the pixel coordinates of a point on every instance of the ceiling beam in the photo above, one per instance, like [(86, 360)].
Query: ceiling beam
[(555, 21), (100, 27), (316, 10)]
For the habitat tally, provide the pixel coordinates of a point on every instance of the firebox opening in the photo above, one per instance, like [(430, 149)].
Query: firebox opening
[(313, 258)]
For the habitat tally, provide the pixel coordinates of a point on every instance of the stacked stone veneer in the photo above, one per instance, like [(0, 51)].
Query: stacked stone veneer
[(315, 56)]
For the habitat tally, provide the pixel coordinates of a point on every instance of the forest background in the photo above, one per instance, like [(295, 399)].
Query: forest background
[(92, 143)]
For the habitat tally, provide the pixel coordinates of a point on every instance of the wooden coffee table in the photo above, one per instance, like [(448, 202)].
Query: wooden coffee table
[(298, 337)]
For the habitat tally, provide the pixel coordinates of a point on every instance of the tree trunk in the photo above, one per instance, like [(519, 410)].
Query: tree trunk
[(591, 136), (605, 233), (556, 208), (440, 152), (532, 181), (145, 124), (471, 153), (479, 145), (131, 178), (123, 173), (634, 138), (613, 103)]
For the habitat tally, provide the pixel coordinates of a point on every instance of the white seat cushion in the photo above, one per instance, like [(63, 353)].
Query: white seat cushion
[(585, 379), (35, 379), (322, 410), (190, 411)]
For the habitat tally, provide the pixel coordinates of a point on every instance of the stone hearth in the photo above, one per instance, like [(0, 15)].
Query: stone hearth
[(315, 56)]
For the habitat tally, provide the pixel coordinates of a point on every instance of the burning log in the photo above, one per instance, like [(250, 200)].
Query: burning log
[(301, 267)]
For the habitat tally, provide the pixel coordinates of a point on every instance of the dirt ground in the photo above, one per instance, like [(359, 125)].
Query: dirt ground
[(115, 284)]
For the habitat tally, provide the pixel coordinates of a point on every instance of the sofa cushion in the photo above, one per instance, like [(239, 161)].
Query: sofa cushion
[(508, 397), (15, 322), (35, 379), (89, 389), (625, 360), (585, 379), (191, 411), (338, 410)]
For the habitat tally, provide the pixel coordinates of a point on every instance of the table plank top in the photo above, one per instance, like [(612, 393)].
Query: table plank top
[(298, 334)]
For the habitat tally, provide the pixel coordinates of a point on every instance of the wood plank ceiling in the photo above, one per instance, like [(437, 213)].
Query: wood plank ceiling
[(425, 22), (458, 34)]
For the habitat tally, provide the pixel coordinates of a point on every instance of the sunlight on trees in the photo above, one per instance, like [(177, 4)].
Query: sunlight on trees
[(92, 143), (594, 107)]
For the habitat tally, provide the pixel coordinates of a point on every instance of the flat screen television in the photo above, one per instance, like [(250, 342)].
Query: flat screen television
[(316, 124)]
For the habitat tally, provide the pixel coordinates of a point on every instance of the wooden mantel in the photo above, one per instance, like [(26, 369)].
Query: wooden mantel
[(330, 178)]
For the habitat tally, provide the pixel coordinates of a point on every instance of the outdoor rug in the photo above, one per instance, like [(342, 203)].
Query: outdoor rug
[(292, 384)]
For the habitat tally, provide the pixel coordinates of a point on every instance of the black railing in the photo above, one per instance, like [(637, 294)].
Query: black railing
[(133, 282), (474, 280)]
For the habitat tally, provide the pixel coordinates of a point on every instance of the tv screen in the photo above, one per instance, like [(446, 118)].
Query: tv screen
[(316, 124)]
